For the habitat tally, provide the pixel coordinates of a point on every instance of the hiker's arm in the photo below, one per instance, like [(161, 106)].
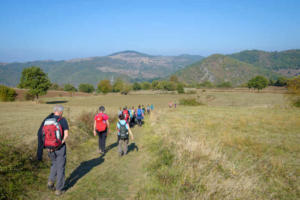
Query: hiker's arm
[(130, 133), (107, 124), (95, 128), (66, 134)]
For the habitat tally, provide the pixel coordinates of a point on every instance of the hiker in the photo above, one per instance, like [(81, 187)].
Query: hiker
[(126, 114), (52, 135), (148, 109), (101, 128), (123, 135), (175, 104), (132, 117), (120, 111), (152, 107), (170, 104), (139, 115), (144, 109)]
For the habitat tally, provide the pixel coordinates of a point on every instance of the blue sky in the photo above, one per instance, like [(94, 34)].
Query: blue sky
[(65, 29)]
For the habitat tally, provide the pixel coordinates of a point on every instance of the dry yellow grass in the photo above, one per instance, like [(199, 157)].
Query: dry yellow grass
[(227, 152), (239, 145)]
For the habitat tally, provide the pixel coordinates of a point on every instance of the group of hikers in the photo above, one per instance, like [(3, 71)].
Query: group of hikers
[(54, 131)]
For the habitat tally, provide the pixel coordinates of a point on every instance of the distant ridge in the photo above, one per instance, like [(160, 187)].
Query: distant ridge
[(238, 68), (128, 65)]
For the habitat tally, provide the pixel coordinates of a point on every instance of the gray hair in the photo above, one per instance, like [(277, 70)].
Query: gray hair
[(58, 108)]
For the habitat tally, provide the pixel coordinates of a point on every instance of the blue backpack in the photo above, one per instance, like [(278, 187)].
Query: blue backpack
[(139, 112)]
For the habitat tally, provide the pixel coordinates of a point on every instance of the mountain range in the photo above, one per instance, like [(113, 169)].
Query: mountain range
[(133, 66), (128, 65), (238, 68)]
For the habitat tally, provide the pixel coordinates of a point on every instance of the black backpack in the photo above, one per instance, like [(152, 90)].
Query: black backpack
[(123, 131)]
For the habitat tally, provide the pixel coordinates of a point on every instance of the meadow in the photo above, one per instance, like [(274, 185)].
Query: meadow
[(239, 144)]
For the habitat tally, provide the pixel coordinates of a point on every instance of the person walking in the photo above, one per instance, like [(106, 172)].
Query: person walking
[(101, 128), (53, 134), (139, 115), (123, 135)]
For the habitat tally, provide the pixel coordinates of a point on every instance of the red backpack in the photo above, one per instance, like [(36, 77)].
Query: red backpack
[(126, 114), (100, 123), (52, 133)]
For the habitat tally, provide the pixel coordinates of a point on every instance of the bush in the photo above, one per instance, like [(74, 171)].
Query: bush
[(85, 87), (18, 170), (136, 86), (293, 86), (118, 85), (180, 88), (146, 86), (190, 102), (7, 94), (126, 89), (258, 82), (104, 86), (69, 88), (205, 84), (224, 85)]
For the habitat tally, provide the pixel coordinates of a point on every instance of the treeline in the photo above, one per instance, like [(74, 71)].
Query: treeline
[(38, 83)]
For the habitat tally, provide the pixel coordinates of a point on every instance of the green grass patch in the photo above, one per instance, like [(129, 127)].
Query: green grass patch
[(19, 171), (190, 102)]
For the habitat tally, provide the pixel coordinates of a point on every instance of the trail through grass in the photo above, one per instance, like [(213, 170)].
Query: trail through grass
[(91, 176)]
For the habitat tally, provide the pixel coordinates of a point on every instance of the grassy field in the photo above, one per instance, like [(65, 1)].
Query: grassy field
[(238, 145)]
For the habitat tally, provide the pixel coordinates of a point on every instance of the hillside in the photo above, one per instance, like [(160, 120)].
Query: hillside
[(129, 65), (286, 63), (218, 68)]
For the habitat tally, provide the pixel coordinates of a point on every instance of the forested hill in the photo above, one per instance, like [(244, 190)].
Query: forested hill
[(220, 68), (286, 63), (129, 65)]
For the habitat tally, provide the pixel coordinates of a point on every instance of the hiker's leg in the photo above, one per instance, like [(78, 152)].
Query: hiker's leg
[(102, 141), (99, 140), (61, 163), (125, 146), (53, 170), (120, 146)]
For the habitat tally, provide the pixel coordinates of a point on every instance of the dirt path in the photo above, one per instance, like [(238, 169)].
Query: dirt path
[(90, 176)]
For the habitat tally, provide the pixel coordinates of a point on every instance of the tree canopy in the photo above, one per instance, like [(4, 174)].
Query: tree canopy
[(258, 82), (85, 87), (34, 79), (104, 86)]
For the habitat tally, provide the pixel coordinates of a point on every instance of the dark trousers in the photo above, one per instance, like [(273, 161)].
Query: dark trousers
[(102, 139)]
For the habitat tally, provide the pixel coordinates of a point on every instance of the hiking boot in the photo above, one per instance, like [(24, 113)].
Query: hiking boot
[(58, 192), (51, 186)]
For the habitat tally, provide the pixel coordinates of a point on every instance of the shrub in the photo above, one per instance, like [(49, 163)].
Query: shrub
[(104, 86), (180, 88), (118, 85), (224, 85), (85, 87), (69, 88), (189, 102), (136, 86), (86, 122), (7, 94), (18, 170), (258, 82), (126, 89), (293, 86), (146, 86)]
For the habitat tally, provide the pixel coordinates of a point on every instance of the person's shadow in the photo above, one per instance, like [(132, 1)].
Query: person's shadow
[(132, 147), (84, 168)]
